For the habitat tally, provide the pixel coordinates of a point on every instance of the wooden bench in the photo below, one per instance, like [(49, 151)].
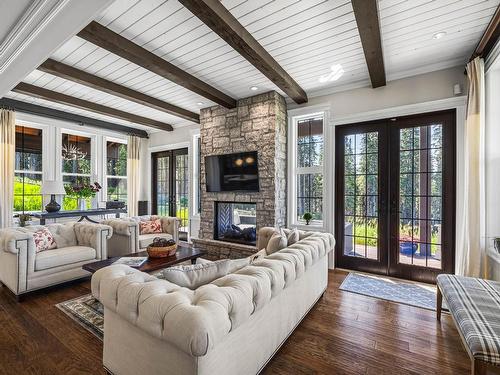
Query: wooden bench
[(474, 305)]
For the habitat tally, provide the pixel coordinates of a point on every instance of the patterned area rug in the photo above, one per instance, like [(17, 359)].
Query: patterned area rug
[(408, 293), (86, 311)]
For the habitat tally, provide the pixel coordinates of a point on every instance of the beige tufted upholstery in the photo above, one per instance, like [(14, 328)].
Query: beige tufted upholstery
[(266, 233), (195, 321), (127, 238), (19, 259)]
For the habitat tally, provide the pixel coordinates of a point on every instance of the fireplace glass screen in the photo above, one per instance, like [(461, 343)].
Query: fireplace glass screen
[(235, 222)]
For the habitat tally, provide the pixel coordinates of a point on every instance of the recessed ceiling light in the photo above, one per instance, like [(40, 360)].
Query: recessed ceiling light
[(336, 72), (254, 88), (200, 103), (439, 35)]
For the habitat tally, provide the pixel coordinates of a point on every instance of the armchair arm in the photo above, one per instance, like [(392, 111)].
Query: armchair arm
[(122, 226), (17, 259), (95, 236), (170, 225)]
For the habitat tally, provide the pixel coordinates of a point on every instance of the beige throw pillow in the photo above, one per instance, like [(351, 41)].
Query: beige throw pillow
[(293, 237), (196, 275), (64, 235), (276, 243)]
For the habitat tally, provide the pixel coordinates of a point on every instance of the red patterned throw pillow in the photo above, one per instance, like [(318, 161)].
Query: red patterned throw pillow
[(149, 227), (44, 240)]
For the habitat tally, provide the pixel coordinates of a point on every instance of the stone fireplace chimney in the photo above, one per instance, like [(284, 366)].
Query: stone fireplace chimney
[(259, 124)]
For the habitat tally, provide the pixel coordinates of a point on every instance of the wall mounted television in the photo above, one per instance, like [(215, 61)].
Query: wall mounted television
[(232, 172)]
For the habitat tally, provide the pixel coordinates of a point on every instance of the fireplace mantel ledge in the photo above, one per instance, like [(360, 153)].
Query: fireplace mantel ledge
[(236, 246)]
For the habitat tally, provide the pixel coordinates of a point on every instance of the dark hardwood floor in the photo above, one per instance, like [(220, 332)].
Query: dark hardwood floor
[(344, 333)]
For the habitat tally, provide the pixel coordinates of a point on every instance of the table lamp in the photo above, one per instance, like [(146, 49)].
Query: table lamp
[(53, 188)]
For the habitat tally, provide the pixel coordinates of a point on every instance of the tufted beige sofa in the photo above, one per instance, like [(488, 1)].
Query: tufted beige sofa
[(233, 325), (22, 269), (127, 239)]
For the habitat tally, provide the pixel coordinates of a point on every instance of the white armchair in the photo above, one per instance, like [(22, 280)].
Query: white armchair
[(23, 270), (127, 238)]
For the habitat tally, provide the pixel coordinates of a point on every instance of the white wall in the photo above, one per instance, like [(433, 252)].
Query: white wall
[(417, 89)]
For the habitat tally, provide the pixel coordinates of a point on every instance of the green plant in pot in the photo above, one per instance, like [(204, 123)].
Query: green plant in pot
[(307, 217), (23, 219)]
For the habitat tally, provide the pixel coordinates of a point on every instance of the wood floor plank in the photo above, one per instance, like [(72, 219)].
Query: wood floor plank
[(344, 333)]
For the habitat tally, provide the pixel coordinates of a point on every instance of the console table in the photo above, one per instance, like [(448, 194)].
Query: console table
[(84, 214)]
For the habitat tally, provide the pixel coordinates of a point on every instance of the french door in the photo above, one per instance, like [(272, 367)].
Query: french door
[(170, 186), (395, 196)]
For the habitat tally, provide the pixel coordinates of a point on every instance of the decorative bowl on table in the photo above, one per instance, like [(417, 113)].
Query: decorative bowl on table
[(162, 248)]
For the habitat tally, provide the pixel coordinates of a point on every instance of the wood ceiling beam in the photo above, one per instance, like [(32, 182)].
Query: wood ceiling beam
[(57, 97), (79, 76), (489, 37), (366, 13), (71, 117), (103, 37), (213, 14)]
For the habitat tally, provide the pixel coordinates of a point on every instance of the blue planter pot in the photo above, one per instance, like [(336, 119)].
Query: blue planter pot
[(407, 248)]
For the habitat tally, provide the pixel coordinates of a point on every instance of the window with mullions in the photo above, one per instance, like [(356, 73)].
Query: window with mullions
[(310, 153), (28, 169), (116, 158), (76, 165)]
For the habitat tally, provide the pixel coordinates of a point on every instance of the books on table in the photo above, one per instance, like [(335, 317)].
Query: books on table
[(132, 261)]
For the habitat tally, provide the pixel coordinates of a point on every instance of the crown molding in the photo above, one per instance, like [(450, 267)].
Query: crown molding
[(36, 17)]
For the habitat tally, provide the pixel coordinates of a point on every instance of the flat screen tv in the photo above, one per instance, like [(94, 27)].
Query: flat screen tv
[(232, 172)]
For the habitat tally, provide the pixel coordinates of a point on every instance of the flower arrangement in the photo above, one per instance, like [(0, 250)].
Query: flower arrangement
[(82, 190)]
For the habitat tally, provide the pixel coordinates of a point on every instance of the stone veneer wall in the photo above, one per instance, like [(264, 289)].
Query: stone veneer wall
[(258, 124)]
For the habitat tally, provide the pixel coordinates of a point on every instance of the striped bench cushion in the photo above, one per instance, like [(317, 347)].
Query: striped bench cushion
[(475, 306)]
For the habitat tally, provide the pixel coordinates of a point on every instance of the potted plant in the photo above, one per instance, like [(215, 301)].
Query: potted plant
[(307, 217), (82, 192), (23, 219)]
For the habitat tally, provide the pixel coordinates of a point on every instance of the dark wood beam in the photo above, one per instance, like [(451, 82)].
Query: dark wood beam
[(366, 14), (115, 43), (79, 76), (489, 38), (213, 14), (57, 97), (71, 117)]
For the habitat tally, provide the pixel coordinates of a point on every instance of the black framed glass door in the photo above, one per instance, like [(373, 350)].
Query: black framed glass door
[(395, 196), (170, 186)]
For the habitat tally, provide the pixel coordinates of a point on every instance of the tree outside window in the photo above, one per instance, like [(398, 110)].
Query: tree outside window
[(76, 165), (28, 170), (310, 154), (116, 165)]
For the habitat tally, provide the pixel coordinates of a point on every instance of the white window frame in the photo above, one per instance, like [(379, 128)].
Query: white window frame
[(104, 184), (93, 156), (294, 171)]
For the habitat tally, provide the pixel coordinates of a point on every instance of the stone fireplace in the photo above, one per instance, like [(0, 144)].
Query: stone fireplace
[(257, 124)]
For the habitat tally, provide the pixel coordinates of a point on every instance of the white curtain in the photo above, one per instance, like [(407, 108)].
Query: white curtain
[(471, 241), (133, 174), (7, 155)]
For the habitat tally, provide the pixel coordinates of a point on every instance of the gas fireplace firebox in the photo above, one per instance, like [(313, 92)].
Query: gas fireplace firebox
[(235, 222)]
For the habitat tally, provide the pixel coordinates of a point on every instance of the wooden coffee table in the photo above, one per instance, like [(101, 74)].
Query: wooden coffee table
[(184, 252)]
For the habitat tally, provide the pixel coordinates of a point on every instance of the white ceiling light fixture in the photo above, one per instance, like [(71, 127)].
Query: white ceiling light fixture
[(439, 35), (254, 88), (337, 71), (200, 103)]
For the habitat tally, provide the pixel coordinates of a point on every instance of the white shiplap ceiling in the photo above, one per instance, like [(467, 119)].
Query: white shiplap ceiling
[(305, 36)]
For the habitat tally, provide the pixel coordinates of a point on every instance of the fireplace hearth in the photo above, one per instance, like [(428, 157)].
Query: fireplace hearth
[(235, 222)]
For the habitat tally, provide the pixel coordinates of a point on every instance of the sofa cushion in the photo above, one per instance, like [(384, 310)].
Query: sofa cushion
[(147, 239), (151, 226), (64, 234), (63, 256), (196, 275), (43, 240), (276, 243)]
